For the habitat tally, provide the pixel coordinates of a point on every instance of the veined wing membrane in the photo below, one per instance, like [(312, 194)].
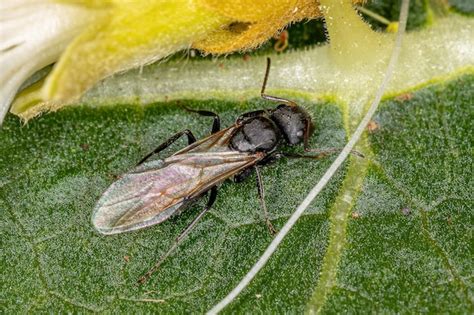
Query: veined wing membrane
[(216, 142), (151, 193)]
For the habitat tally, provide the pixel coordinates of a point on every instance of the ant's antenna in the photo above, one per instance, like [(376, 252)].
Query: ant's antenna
[(267, 72), (270, 97)]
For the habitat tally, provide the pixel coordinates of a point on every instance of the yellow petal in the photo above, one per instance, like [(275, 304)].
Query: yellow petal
[(133, 35), (254, 22), (29, 103), (252, 11), (246, 37), (27, 98)]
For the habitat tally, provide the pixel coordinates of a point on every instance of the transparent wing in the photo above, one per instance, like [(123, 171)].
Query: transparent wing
[(216, 142), (155, 190)]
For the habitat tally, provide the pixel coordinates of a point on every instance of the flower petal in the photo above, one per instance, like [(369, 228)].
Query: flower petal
[(132, 36), (33, 35), (252, 27)]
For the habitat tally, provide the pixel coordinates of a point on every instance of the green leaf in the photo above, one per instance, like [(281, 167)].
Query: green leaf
[(410, 246), (392, 233), (73, 155), (408, 250)]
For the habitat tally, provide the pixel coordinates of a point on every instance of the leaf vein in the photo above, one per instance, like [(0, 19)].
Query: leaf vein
[(423, 210), (37, 263)]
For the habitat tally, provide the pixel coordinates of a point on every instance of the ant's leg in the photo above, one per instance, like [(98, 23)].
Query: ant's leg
[(167, 143), (319, 151), (216, 125), (248, 115), (242, 175), (261, 197), (182, 235)]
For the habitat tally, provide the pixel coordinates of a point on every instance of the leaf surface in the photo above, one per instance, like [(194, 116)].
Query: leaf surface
[(391, 233), (413, 225)]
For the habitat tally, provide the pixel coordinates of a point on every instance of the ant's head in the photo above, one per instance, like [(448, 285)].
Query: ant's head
[(294, 122)]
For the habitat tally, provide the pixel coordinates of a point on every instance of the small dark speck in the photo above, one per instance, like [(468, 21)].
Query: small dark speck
[(238, 27), (85, 146), (372, 126), (406, 211), (114, 176), (404, 97)]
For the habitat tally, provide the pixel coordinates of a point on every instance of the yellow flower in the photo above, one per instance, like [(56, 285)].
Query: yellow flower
[(91, 39)]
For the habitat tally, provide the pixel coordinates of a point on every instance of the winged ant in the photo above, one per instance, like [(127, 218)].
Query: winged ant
[(155, 190)]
